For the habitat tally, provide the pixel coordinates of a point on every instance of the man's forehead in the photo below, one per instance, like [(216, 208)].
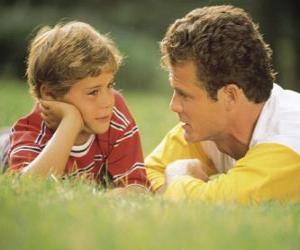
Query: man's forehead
[(173, 80), (183, 74), (176, 73)]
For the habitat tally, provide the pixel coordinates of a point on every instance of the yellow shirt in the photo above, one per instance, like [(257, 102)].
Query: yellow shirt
[(270, 170)]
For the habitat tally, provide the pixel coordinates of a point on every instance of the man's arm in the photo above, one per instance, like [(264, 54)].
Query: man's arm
[(173, 147), (267, 172)]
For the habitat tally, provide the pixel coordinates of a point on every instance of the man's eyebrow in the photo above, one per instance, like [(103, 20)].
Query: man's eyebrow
[(178, 90)]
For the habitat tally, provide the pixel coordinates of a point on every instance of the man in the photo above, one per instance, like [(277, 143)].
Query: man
[(234, 121)]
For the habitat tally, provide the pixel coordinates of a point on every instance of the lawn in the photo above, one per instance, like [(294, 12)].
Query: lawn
[(38, 214)]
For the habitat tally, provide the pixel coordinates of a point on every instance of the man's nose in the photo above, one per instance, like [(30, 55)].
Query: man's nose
[(175, 104)]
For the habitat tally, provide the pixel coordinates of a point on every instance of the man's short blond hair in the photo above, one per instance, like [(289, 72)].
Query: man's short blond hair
[(67, 53)]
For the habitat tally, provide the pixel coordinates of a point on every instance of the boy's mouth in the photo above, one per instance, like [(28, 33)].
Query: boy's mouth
[(103, 118)]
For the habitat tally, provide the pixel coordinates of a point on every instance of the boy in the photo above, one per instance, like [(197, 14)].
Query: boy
[(81, 126)]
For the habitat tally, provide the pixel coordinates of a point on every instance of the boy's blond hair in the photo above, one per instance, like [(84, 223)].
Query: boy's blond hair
[(67, 53)]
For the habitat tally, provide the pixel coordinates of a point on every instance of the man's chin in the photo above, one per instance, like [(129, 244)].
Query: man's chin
[(191, 138), (188, 137)]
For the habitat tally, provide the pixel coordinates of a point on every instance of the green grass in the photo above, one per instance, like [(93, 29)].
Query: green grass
[(38, 214), (49, 215)]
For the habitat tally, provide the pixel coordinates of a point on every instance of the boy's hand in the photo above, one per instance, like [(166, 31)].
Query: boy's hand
[(53, 112), (190, 167)]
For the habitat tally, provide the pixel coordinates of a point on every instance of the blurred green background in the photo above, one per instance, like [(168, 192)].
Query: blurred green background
[(137, 26)]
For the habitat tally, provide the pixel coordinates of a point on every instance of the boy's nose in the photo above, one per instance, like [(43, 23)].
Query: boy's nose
[(106, 101)]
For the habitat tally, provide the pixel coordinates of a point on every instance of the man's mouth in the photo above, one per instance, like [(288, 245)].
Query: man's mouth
[(183, 122), (185, 125)]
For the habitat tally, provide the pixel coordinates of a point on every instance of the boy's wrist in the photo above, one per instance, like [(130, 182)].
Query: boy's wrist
[(75, 121)]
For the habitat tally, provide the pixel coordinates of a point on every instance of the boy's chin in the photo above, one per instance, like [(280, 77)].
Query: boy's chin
[(96, 130)]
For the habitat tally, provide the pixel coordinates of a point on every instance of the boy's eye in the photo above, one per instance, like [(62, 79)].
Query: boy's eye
[(94, 92)]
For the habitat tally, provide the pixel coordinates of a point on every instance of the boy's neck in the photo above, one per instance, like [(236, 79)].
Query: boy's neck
[(82, 138)]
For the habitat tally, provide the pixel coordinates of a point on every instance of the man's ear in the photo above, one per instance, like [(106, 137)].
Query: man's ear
[(46, 93), (230, 95)]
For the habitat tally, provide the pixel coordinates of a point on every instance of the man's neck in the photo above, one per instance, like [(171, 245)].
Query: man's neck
[(236, 141), (232, 147)]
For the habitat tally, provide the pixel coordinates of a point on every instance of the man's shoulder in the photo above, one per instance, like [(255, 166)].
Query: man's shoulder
[(286, 140), (279, 121), (270, 155)]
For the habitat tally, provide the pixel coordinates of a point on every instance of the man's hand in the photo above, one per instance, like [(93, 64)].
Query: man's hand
[(53, 112), (188, 167)]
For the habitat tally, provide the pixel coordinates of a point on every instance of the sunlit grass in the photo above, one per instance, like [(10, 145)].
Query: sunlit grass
[(68, 215)]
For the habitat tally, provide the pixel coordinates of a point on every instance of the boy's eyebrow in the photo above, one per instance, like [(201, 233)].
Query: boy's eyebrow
[(94, 87), (100, 85)]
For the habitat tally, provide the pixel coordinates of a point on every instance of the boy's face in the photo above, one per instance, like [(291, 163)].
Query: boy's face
[(94, 98)]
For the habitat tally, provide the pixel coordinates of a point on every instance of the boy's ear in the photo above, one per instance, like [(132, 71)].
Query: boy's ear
[(46, 93)]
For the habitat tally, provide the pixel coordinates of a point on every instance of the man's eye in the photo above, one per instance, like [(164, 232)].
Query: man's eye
[(181, 94), (94, 92)]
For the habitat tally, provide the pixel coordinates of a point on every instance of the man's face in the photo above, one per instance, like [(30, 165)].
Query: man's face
[(94, 98), (202, 117)]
